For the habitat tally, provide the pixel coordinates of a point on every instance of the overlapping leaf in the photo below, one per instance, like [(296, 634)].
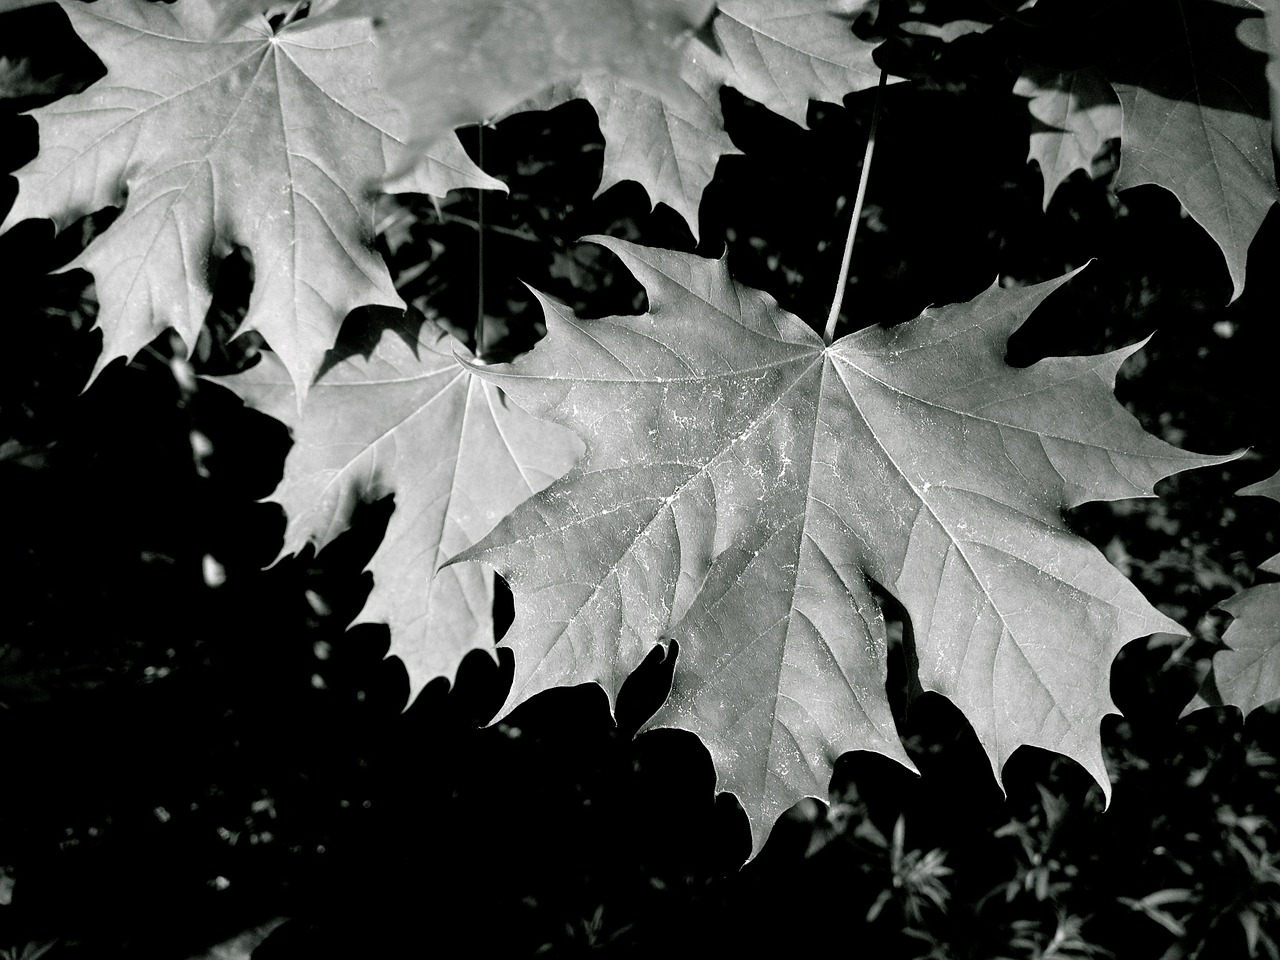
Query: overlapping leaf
[(455, 62), (1077, 113), (670, 144), (1247, 674), (742, 484), (783, 53), (655, 88), (465, 61), (260, 141), (1195, 105), (411, 421)]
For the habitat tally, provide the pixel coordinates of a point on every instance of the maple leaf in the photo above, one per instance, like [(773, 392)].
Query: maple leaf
[(455, 62), (655, 88), (409, 420), (1247, 674), (742, 483), (1195, 103), (670, 144), (785, 53), (1078, 113), (263, 141)]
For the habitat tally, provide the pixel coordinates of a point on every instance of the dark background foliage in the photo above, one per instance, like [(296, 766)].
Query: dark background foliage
[(192, 745)]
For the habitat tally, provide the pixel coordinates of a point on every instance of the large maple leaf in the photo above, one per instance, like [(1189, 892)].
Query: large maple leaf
[(1077, 113), (743, 483), (1195, 106), (1247, 674), (409, 420), (262, 141), (455, 62)]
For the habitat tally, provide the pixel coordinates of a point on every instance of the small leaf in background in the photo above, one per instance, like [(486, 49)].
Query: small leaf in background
[(1076, 113), (744, 484), (410, 421), (669, 143), (266, 141)]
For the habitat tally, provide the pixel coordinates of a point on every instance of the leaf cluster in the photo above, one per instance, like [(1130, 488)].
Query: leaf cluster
[(814, 533)]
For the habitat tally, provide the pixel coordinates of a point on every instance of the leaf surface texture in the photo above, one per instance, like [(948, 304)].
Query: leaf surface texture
[(267, 142), (743, 485), (411, 421)]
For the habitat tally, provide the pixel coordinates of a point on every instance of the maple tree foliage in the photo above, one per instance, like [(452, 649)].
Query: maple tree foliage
[(746, 489), (743, 482), (1193, 94), (261, 140), (454, 62), (411, 420), (1195, 109), (783, 53)]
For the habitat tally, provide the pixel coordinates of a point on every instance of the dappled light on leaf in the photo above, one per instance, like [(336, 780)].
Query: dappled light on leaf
[(1195, 106), (1076, 113)]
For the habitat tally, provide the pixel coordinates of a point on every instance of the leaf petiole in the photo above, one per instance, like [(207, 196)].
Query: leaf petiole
[(843, 279)]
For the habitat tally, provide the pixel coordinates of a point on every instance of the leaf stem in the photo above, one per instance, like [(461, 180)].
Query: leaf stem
[(480, 252), (842, 281)]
